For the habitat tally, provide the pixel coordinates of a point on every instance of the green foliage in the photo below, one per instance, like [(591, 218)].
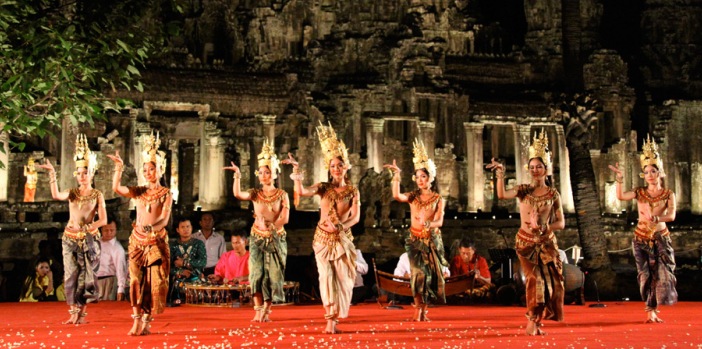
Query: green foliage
[(60, 59)]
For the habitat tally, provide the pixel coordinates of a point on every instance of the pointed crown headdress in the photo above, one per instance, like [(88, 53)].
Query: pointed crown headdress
[(650, 155), (331, 146), (421, 159), (150, 152), (539, 149), (83, 156), (268, 158)]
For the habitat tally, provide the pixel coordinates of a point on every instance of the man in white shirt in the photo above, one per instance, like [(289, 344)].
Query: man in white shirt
[(360, 291), (112, 275), (214, 242)]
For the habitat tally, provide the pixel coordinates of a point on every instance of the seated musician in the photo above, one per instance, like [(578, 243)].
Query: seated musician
[(233, 266), (188, 258), (468, 262)]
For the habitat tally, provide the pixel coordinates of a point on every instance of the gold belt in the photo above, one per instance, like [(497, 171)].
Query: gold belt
[(265, 234), (149, 240), (322, 236), (421, 233), (80, 235), (647, 234), (535, 239)]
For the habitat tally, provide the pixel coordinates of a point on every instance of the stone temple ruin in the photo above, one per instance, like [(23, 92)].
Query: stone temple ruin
[(472, 79)]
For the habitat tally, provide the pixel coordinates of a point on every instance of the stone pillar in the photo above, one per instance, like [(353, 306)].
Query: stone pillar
[(5, 160), (374, 142), (175, 156), (474, 162), (522, 140), (68, 147), (267, 124), (682, 185), (141, 129), (212, 183), (427, 134), (565, 188), (696, 190)]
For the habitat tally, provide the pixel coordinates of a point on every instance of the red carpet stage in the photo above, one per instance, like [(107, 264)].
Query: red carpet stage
[(619, 325)]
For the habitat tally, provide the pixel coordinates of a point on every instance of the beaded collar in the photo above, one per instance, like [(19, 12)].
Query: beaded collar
[(524, 193), (148, 199), (644, 197), (258, 196), (74, 196), (327, 191), (415, 198)]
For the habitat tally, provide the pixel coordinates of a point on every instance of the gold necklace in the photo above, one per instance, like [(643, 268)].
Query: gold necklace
[(148, 199), (75, 196), (259, 196), (416, 199)]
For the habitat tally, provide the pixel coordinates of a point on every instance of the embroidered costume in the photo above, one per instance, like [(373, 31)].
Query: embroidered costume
[(268, 252), (425, 249), (653, 250), (81, 250), (537, 250), (194, 258)]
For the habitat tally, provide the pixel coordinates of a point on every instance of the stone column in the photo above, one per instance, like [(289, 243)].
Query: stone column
[(565, 189), (267, 124), (212, 188), (141, 129), (522, 140), (175, 156), (427, 133), (5, 160), (682, 185), (474, 163), (696, 190), (68, 147), (374, 142)]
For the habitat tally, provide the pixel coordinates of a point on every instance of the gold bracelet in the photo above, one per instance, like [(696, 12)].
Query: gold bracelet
[(237, 175), (118, 167), (427, 224)]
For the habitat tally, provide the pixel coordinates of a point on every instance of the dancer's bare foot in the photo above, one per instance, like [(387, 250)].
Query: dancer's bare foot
[(145, 324), (135, 326), (531, 328), (258, 314), (331, 327), (653, 318), (81, 318), (73, 319)]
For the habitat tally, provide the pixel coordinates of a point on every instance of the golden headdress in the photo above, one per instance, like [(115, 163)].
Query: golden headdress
[(421, 159), (331, 146), (83, 156), (268, 158), (539, 149), (150, 152), (650, 155)]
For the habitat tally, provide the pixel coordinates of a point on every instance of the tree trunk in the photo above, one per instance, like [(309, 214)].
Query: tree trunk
[(589, 217)]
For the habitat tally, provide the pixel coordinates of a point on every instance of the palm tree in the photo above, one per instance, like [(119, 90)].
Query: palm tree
[(577, 113)]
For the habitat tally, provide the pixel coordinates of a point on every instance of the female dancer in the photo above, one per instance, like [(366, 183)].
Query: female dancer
[(268, 248), (653, 250), (541, 214), (425, 247), (149, 254), (333, 243), (80, 242)]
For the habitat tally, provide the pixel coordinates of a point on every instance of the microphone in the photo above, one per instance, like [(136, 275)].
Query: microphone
[(597, 293)]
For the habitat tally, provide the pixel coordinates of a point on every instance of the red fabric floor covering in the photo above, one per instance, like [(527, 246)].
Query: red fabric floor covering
[(619, 325)]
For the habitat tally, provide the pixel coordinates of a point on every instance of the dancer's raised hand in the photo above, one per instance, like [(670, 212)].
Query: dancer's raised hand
[(495, 165), (393, 167), (116, 158), (233, 167)]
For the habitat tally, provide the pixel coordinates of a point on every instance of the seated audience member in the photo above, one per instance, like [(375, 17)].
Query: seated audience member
[(214, 242), (38, 287), (112, 274), (188, 259), (233, 266), (468, 262), (360, 291)]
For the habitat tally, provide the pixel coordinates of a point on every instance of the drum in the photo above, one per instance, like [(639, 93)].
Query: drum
[(573, 277)]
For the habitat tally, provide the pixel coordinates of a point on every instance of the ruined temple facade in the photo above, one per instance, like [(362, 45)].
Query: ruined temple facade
[(472, 79)]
